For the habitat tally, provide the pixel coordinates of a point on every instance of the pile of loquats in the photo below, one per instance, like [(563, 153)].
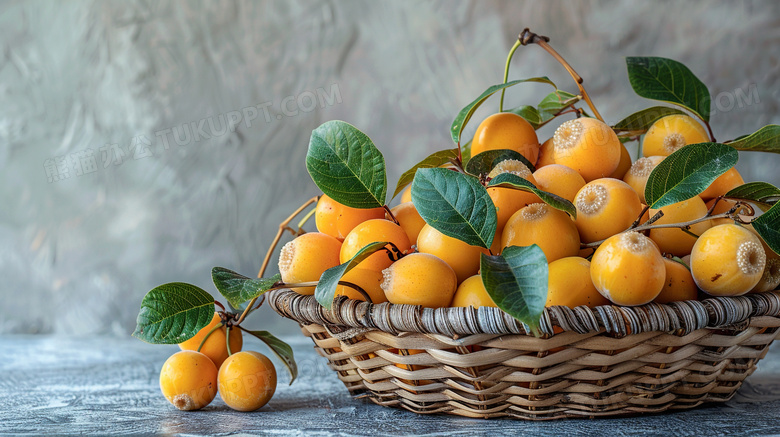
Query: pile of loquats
[(209, 363), (607, 255), (503, 221)]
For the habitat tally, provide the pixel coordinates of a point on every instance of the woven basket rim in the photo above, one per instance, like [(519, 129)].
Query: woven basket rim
[(680, 318)]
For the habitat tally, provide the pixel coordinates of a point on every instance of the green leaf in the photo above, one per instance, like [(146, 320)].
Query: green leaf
[(767, 226), (485, 161), (557, 101), (766, 139), (465, 114), (173, 313), (329, 281), (238, 288), (509, 180), (641, 121), (669, 81), (516, 280), (344, 163), (532, 115), (688, 172), (455, 204), (282, 350), (761, 193), (434, 160)]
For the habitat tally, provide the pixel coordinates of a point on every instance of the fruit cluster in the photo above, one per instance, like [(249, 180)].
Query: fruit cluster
[(209, 363), (584, 163)]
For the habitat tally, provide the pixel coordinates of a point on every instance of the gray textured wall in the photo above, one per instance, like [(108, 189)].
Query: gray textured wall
[(96, 209)]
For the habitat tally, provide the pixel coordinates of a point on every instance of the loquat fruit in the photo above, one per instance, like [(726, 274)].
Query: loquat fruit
[(337, 220), (508, 200), (678, 285), (637, 175), (460, 256), (305, 258), (559, 180), (506, 130), (188, 380), (570, 285), (409, 219), (588, 146), (668, 134), (420, 279), (673, 240), (723, 184), (247, 381), (369, 280), (546, 154), (605, 207), (372, 231), (628, 269), (552, 230), (472, 292), (727, 260), (215, 347), (623, 165)]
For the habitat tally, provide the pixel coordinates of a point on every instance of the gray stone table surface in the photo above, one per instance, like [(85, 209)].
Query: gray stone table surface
[(56, 385)]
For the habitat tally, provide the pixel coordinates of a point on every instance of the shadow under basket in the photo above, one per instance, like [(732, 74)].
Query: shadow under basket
[(606, 361)]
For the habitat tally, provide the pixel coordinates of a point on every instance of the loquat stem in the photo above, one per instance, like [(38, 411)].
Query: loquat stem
[(688, 231), (639, 219), (565, 110), (714, 204), (709, 129), (527, 37), (506, 73), (219, 304), (208, 334), (227, 340), (352, 285), (390, 214), (305, 219), (685, 225), (282, 227)]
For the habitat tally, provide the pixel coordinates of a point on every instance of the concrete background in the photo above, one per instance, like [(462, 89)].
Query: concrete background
[(109, 186)]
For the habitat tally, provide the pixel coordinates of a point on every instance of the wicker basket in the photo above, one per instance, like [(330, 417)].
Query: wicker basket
[(605, 361)]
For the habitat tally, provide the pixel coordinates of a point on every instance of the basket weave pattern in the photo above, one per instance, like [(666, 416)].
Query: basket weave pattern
[(589, 362)]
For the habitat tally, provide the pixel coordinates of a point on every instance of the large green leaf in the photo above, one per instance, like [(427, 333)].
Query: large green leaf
[(532, 115), (516, 280), (433, 160), (282, 350), (768, 227), (465, 114), (687, 172), (173, 313), (485, 161), (669, 81), (556, 101), (455, 204), (766, 139), (509, 180), (762, 194), (238, 288), (641, 121), (329, 281), (344, 163)]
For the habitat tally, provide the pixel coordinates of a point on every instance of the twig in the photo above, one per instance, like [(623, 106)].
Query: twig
[(282, 227), (648, 225), (506, 73), (527, 37)]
